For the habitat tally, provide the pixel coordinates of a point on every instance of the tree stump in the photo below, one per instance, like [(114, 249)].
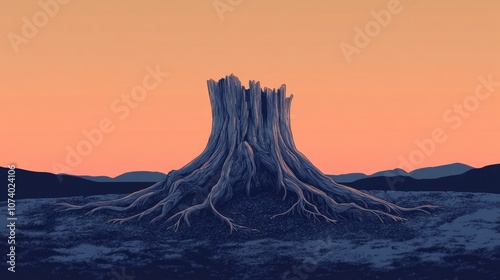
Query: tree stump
[(250, 149)]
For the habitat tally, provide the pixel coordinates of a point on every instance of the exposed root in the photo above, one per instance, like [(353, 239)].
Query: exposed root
[(311, 202)]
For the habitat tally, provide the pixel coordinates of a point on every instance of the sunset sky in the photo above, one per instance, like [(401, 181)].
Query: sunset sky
[(432, 66)]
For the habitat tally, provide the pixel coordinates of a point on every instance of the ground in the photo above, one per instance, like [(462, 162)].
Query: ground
[(461, 240)]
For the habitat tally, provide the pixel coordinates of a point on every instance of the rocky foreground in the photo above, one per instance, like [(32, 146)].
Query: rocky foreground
[(460, 240)]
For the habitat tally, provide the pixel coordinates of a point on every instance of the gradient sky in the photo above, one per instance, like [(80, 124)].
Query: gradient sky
[(362, 116)]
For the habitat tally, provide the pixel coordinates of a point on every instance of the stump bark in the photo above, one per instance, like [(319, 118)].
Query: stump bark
[(250, 149)]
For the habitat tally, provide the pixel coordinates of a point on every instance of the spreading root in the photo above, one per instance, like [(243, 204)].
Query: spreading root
[(175, 199)]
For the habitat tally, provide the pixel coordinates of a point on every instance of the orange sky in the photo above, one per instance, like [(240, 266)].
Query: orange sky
[(362, 116)]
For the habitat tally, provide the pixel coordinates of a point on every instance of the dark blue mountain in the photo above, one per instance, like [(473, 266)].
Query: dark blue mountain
[(134, 176), (31, 184), (422, 173), (485, 179), (440, 171)]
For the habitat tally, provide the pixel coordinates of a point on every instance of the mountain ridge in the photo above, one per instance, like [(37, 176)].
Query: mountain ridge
[(421, 173), (32, 184)]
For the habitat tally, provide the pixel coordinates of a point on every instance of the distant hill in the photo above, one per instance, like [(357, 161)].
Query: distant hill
[(135, 176), (349, 177), (31, 184), (440, 171), (485, 179), (422, 173)]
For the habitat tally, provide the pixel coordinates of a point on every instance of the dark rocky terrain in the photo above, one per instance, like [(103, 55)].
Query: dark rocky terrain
[(460, 240)]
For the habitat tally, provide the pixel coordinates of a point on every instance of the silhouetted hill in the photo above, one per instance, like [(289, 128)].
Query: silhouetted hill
[(422, 173), (349, 177), (440, 171), (31, 184), (134, 176), (486, 179)]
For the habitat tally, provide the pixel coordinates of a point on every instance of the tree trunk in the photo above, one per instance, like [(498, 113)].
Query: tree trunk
[(250, 148)]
